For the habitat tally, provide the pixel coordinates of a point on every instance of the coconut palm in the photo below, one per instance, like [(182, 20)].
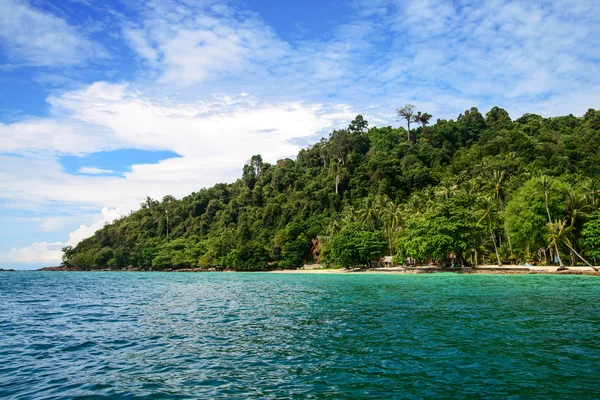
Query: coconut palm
[(415, 206), (348, 214), (560, 232), (368, 213), (591, 188), (446, 189), (545, 184), (472, 186), (577, 206), (391, 215), (486, 208), (497, 181)]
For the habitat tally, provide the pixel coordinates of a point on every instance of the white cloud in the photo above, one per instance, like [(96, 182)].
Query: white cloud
[(49, 253), (95, 171), (192, 46), (37, 253), (214, 139), (107, 217), (54, 135), (33, 37)]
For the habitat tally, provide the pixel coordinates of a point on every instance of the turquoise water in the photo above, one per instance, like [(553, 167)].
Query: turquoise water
[(160, 335)]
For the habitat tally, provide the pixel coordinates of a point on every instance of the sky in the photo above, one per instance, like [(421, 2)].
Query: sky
[(103, 103)]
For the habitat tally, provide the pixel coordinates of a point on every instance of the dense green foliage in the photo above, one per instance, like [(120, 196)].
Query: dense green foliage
[(478, 189)]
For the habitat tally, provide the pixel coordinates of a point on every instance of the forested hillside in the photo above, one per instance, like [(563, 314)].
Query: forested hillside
[(478, 189)]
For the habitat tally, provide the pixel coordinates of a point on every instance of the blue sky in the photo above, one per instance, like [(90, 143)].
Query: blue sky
[(103, 103)]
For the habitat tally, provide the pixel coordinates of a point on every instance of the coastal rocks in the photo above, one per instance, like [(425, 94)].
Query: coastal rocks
[(63, 268)]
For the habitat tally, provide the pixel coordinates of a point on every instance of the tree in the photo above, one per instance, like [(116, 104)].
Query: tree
[(446, 229), (354, 246), (559, 232), (591, 236), (339, 146), (368, 214), (391, 216), (545, 184), (407, 112), (358, 124), (498, 118), (486, 209), (527, 213), (422, 119)]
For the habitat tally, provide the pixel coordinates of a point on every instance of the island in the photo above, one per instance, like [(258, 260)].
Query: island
[(514, 195)]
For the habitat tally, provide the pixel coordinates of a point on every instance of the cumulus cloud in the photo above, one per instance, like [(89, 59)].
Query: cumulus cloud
[(84, 231), (36, 253), (213, 137), (33, 37), (50, 253)]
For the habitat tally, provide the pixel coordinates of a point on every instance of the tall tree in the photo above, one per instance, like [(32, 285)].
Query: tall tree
[(358, 124), (391, 215), (369, 213), (407, 112), (486, 208), (422, 119), (339, 145), (545, 185)]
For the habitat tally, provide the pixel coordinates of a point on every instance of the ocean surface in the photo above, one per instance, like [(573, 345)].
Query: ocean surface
[(255, 335)]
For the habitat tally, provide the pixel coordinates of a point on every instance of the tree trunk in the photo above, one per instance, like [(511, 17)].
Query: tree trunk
[(582, 259), (390, 239), (560, 263), (562, 266), (494, 240), (509, 242)]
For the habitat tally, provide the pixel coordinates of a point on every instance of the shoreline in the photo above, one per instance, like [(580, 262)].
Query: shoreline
[(481, 269)]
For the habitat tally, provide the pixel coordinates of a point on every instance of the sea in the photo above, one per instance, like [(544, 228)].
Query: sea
[(150, 335)]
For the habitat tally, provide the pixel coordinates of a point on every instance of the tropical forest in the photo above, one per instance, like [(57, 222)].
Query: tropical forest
[(483, 188)]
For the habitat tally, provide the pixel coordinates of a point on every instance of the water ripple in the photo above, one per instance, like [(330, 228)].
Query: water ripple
[(180, 336)]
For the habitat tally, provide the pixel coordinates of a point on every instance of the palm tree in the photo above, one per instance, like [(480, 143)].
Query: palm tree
[(391, 215), (545, 184), (592, 192), (559, 232), (472, 186), (423, 119), (497, 183), (498, 186), (348, 214), (576, 206), (368, 214), (415, 206), (446, 189), (486, 209)]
